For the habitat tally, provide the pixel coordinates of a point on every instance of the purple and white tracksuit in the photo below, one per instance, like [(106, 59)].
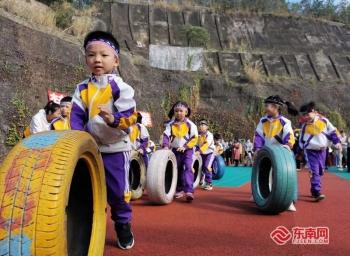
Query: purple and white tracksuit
[(182, 134), (112, 139), (206, 148), (139, 138), (314, 141)]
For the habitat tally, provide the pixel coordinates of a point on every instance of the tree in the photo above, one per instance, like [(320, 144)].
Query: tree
[(344, 11), (305, 6), (76, 3), (329, 10), (326, 9)]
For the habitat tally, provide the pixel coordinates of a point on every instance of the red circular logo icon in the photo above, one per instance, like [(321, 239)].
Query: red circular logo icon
[(281, 235)]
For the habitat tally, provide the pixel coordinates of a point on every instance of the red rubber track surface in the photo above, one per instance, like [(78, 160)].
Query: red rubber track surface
[(225, 222)]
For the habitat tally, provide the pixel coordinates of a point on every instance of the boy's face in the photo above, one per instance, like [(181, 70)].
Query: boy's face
[(65, 108), (203, 128), (180, 113), (271, 109), (309, 116), (101, 59)]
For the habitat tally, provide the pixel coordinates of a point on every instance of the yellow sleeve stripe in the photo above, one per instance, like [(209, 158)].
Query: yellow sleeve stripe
[(126, 122), (192, 142), (204, 147)]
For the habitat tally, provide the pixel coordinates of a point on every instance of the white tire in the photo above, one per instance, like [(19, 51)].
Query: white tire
[(197, 170), (137, 175), (161, 176)]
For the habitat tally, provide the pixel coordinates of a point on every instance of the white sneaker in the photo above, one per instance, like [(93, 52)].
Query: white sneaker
[(179, 195), (208, 187), (292, 208)]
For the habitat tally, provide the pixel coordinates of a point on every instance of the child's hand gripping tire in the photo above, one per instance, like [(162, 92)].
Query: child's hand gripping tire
[(137, 175), (161, 178), (274, 179), (53, 196)]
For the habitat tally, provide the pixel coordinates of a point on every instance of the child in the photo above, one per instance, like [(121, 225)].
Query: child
[(275, 128), (219, 148), (181, 136), (62, 122), (314, 137), (104, 106), (41, 122), (206, 149), (139, 138)]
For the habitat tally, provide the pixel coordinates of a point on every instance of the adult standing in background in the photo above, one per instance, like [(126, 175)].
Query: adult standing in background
[(236, 153), (344, 144), (228, 154), (348, 153), (248, 147)]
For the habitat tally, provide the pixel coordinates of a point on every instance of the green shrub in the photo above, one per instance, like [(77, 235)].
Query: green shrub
[(337, 120), (197, 36), (64, 14), (21, 116)]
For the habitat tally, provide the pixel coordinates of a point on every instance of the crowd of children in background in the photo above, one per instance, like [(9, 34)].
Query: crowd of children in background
[(104, 106)]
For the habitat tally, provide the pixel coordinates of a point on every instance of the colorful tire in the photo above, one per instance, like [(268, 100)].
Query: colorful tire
[(137, 175), (197, 170), (218, 167), (274, 179), (53, 196), (161, 178)]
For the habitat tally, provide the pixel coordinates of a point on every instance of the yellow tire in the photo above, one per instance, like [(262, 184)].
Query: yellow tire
[(137, 175), (53, 196)]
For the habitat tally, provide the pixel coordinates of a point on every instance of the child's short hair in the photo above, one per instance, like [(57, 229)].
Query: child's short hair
[(278, 101), (139, 118), (203, 121), (51, 107), (307, 108), (66, 99), (103, 36), (217, 136), (177, 104)]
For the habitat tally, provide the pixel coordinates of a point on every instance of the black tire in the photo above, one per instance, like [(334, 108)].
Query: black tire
[(274, 164), (137, 175), (218, 167), (161, 176), (197, 170)]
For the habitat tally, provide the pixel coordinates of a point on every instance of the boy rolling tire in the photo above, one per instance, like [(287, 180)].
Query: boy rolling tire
[(274, 179), (218, 168), (197, 170), (162, 177), (137, 175), (53, 196)]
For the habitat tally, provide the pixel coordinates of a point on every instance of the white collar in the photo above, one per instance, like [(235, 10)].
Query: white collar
[(103, 80)]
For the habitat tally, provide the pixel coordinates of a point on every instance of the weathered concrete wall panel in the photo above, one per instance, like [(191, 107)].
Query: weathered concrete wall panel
[(176, 58)]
